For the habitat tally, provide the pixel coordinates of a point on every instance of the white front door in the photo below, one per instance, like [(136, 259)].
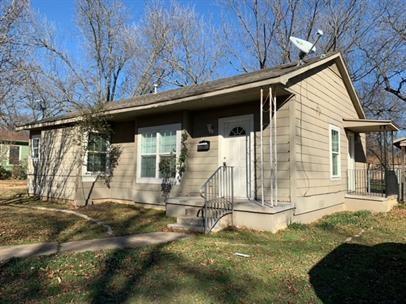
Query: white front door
[(351, 161), (235, 150)]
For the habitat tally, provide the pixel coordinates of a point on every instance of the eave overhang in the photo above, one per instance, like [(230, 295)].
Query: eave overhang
[(369, 125)]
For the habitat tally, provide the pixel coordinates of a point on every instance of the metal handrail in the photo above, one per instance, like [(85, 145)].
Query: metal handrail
[(218, 194)]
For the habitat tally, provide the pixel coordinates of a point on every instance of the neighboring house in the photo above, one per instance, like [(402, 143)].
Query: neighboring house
[(13, 149), (291, 163)]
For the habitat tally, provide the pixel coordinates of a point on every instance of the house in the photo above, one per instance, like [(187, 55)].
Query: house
[(264, 149), (13, 149)]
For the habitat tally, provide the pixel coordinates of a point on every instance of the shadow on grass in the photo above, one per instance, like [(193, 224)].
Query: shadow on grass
[(162, 276), (151, 274), (354, 273)]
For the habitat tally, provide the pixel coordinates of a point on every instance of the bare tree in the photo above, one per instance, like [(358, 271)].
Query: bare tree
[(262, 29), (249, 35), (193, 55), (384, 51), (13, 50), (105, 29), (175, 47)]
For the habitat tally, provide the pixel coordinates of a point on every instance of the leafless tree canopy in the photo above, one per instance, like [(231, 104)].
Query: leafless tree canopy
[(173, 45)]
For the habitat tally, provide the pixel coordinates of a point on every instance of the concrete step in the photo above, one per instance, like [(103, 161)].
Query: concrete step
[(186, 228), (191, 211), (190, 220)]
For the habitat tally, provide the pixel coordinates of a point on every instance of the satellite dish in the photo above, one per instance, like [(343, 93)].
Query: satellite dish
[(304, 46)]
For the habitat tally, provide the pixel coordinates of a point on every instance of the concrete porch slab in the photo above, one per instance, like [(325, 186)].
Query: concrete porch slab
[(242, 205), (373, 204), (247, 213)]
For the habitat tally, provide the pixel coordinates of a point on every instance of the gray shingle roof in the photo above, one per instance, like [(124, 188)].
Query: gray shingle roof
[(197, 89)]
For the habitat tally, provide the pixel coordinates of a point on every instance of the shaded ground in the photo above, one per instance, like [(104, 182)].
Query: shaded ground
[(12, 188), (303, 264), (21, 225)]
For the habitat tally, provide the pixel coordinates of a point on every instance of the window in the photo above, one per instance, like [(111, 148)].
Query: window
[(14, 155), (97, 152), (157, 146), (35, 147), (237, 131), (335, 162)]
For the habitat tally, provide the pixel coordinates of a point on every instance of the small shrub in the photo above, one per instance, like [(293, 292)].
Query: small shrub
[(4, 174)]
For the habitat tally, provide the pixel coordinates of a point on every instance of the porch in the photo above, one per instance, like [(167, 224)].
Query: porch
[(372, 186), (246, 213)]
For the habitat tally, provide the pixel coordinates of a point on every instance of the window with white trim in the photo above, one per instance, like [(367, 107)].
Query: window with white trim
[(14, 155), (35, 147), (156, 144), (97, 153), (335, 161)]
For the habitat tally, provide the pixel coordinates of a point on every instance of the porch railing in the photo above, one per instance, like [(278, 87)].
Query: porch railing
[(373, 182), (218, 194)]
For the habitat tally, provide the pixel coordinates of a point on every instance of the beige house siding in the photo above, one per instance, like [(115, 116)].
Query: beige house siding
[(57, 170), (283, 156), (60, 163), (321, 100)]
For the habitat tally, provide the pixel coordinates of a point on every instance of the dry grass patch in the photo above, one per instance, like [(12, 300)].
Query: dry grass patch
[(11, 188), (21, 224)]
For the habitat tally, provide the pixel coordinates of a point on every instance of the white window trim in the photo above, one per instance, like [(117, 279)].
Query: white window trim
[(91, 175), (335, 128), (156, 180), (39, 147)]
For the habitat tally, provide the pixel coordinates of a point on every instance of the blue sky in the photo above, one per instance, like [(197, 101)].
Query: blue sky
[(61, 13)]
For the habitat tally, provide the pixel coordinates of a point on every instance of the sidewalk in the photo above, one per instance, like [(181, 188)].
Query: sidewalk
[(120, 242)]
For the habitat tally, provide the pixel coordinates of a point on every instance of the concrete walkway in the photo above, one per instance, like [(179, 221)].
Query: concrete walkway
[(120, 242)]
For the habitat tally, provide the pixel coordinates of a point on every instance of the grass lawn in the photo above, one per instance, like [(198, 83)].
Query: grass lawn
[(302, 264), (20, 224)]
